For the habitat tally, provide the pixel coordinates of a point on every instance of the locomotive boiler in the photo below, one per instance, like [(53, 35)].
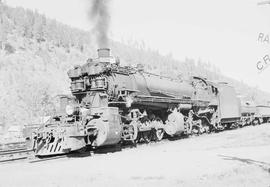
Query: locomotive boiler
[(112, 104)]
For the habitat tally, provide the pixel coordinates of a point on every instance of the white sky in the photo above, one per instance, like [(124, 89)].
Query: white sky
[(222, 32)]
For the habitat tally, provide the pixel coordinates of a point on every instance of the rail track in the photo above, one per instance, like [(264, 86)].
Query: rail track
[(14, 154), (13, 145), (23, 154), (47, 158), (13, 151), (10, 155)]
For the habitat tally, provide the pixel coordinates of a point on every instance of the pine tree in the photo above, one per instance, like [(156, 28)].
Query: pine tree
[(38, 27), (5, 28)]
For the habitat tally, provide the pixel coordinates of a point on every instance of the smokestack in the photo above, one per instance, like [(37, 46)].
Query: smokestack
[(104, 52), (99, 16)]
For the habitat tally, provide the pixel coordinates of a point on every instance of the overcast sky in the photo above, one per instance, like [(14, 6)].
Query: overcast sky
[(224, 32)]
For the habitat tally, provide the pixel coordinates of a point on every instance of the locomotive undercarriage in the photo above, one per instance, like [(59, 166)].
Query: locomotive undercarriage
[(119, 123), (135, 127)]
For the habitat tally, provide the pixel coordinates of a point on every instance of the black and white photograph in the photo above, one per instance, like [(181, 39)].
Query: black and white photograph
[(134, 93)]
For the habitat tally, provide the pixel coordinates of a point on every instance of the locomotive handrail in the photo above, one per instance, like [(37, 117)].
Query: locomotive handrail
[(157, 97), (162, 76), (145, 98)]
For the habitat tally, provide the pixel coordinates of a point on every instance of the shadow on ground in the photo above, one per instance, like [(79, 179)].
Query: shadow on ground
[(264, 165)]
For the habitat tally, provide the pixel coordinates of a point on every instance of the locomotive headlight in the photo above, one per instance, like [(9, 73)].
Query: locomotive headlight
[(69, 110)]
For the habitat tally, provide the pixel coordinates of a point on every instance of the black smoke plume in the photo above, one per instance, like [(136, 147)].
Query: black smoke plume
[(99, 14)]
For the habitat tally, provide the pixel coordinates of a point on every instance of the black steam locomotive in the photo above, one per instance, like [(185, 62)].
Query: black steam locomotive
[(111, 104)]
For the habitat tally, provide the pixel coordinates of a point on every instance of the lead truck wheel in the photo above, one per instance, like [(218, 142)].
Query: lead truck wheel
[(133, 130), (159, 133), (146, 136)]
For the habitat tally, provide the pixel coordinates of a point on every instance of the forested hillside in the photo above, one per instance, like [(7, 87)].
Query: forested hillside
[(36, 52)]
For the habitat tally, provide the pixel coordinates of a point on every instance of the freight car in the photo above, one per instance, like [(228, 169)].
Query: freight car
[(248, 113), (252, 114), (112, 104), (263, 113)]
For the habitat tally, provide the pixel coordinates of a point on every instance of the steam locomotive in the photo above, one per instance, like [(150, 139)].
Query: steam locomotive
[(113, 104)]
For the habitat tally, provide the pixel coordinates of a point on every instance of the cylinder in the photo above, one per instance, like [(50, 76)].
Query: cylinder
[(175, 124), (108, 127)]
